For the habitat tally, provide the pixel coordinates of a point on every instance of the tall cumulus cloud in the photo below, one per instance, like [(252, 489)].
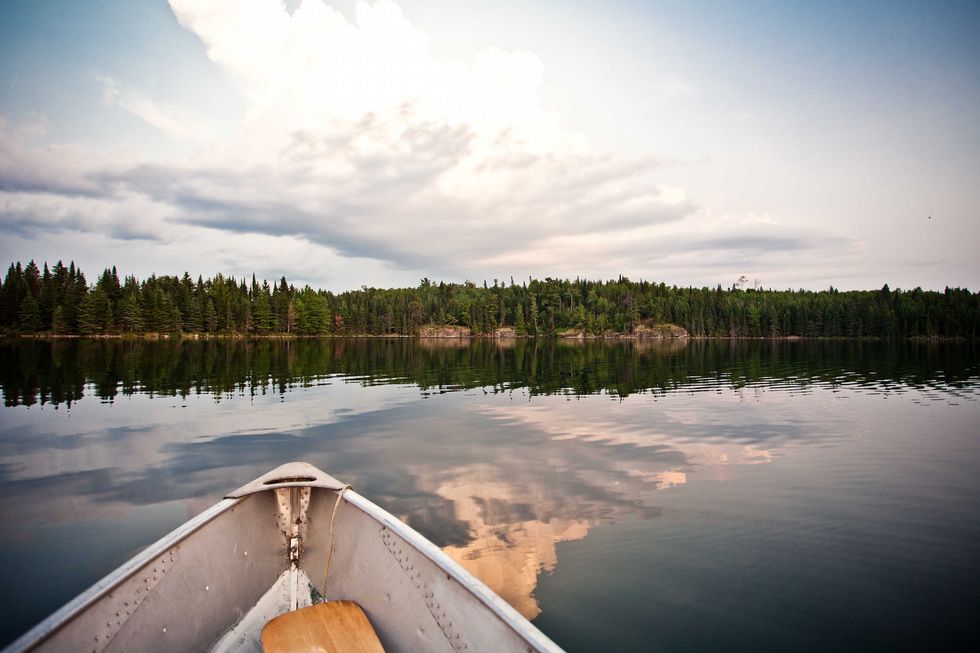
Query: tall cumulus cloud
[(357, 139)]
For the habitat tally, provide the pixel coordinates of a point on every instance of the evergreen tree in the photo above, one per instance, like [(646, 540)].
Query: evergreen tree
[(210, 316), (519, 326), (534, 315), (58, 324), (30, 314), (262, 310), (130, 314), (48, 299), (9, 298), (185, 303), (95, 313), (32, 278), (108, 284), (76, 289)]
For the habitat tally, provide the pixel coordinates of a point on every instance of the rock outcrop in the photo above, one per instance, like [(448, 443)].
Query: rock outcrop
[(444, 331), (660, 330)]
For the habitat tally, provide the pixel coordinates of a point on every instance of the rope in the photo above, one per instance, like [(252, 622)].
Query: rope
[(333, 521)]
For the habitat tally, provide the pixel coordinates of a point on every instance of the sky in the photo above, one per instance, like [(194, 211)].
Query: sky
[(344, 144)]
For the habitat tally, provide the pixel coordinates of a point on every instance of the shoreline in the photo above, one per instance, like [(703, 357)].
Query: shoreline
[(505, 338)]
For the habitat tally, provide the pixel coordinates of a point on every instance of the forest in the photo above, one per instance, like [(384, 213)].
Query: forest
[(59, 300)]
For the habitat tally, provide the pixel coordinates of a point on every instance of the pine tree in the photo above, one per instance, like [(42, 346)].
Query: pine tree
[(58, 324), (304, 322), (130, 314), (519, 326), (185, 303), (534, 315), (172, 320), (49, 298), (210, 316), (163, 312), (30, 314), (262, 311), (9, 302), (32, 277), (108, 283), (76, 289), (201, 301), (94, 314)]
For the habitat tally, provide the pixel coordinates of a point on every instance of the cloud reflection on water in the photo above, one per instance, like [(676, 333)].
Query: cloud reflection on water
[(517, 514), (497, 482)]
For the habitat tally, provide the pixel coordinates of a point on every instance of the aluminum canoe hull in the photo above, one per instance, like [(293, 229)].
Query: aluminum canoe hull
[(207, 585)]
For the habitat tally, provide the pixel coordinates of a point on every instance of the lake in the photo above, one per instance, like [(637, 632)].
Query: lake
[(646, 495)]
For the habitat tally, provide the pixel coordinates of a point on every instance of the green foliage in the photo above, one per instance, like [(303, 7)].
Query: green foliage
[(95, 313), (60, 301), (312, 313), (30, 314), (262, 309), (58, 320), (130, 314)]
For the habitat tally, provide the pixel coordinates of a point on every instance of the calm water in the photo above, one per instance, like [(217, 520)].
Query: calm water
[(741, 496)]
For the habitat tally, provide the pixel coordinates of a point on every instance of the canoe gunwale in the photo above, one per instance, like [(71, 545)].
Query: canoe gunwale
[(115, 578), (503, 610)]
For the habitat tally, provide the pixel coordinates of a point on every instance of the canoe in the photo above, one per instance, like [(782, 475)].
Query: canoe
[(289, 539)]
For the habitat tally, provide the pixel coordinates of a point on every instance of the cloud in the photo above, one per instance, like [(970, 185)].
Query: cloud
[(25, 168), (356, 139), (130, 218), (382, 147), (175, 122)]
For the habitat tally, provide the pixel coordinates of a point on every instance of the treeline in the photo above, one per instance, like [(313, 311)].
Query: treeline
[(59, 300)]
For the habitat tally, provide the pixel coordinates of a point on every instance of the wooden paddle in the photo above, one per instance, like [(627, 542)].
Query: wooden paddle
[(332, 627)]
